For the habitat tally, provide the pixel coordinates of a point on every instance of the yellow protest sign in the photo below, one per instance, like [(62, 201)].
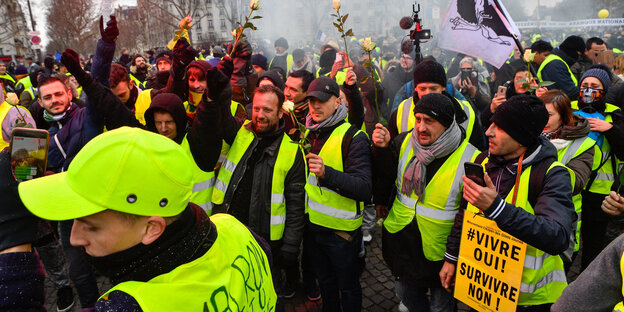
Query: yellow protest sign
[(489, 269)]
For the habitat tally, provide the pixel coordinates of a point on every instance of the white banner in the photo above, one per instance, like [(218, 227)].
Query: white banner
[(571, 24), (479, 29)]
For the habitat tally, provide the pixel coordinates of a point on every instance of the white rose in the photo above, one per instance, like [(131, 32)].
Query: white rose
[(12, 99), (368, 45), (528, 56), (254, 4), (336, 5), (288, 106)]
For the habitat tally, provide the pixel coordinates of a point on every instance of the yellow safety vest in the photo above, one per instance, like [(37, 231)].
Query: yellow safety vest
[(549, 59), (405, 118), (7, 77), (564, 155), (138, 82), (543, 277), (326, 207), (285, 158), (435, 211), (620, 306), (605, 176), (289, 62), (340, 77), (25, 82), (143, 102), (233, 275), (203, 182)]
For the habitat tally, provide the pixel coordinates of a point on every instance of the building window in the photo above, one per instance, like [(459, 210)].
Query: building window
[(210, 24), (208, 1), (199, 25), (209, 14), (222, 23), (199, 37), (221, 11)]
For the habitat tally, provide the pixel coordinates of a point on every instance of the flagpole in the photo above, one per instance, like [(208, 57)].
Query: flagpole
[(515, 38)]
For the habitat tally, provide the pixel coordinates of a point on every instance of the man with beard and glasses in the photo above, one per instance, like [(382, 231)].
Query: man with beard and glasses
[(261, 181)]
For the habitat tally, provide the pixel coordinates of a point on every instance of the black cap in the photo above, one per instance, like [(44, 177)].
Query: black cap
[(323, 88), (436, 106)]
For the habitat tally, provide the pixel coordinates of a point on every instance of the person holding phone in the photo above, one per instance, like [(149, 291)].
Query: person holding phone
[(472, 84), (418, 175), (529, 195)]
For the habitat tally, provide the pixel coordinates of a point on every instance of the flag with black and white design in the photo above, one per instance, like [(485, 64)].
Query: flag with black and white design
[(479, 28)]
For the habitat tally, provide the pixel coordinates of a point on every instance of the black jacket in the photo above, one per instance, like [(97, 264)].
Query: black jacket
[(248, 196), (355, 181), (547, 229)]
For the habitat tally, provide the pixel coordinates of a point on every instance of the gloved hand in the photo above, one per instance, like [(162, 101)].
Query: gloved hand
[(288, 258), (17, 225), (216, 82), (243, 50), (71, 60), (111, 32), (226, 66), (183, 53)]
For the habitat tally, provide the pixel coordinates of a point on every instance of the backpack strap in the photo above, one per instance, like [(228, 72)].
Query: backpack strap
[(480, 158), (536, 179)]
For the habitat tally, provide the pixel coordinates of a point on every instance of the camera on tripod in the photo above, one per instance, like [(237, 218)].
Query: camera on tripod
[(418, 33)]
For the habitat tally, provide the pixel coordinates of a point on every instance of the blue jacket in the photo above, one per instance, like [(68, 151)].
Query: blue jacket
[(70, 134)]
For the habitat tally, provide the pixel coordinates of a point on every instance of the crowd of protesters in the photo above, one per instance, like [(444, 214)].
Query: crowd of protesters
[(233, 177)]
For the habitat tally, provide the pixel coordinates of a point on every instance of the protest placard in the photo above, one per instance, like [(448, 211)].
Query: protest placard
[(489, 269)]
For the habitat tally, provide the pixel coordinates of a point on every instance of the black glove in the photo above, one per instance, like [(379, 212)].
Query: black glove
[(183, 53), (111, 32), (17, 225), (72, 62), (288, 258), (243, 50), (226, 66), (216, 82)]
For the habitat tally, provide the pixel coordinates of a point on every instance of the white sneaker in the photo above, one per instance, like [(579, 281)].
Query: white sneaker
[(402, 307), (367, 237)]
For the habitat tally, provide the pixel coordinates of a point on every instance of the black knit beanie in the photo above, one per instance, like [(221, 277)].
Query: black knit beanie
[(572, 45), (438, 107), (523, 117), (429, 71)]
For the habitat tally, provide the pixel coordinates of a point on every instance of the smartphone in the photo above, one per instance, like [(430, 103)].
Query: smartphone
[(502, 91), (338, 58), (465, 76), (474, 172), (29, 153)]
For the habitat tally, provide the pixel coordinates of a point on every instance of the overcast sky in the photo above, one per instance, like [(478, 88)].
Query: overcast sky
[(39, 10)]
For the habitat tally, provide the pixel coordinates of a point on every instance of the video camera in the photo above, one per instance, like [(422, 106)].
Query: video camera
[(418, 33)]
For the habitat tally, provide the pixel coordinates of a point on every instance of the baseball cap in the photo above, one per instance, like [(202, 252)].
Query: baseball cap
[(323, 88), (127, 169)]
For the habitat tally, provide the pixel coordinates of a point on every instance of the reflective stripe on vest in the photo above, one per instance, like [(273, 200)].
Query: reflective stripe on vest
[(549, 59), (576, 148), (283, 163), (605, 177), (203, 182), (405, 119), (543, 277), (233, 275), (436, 214), (326, 207)]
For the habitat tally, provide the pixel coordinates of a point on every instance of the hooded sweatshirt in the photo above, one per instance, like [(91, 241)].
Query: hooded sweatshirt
[(171, 104)]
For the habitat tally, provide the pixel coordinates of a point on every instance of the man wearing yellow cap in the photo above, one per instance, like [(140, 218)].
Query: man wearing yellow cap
[(128, 192)]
